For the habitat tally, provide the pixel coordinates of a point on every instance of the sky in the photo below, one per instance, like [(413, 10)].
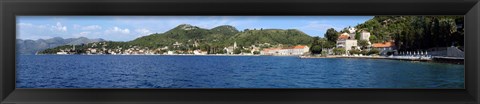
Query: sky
[(126, 28)]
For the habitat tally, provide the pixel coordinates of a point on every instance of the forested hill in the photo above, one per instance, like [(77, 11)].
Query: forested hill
[(222, 36), (416, 32), (188, 37)]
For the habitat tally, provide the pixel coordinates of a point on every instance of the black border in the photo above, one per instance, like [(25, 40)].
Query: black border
[(11, 8)]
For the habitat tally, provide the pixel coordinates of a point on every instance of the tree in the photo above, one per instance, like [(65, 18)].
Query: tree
[(357, 35), (331, 35), (354, 51), (373, 51), (363, 44), (339, 51), (317, 49), (373, 39), (237, 51), (364, 52), (256, 52)]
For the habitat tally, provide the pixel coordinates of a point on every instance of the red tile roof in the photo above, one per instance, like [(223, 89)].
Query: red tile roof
[(383, 45), (343, 36), (299, 47)]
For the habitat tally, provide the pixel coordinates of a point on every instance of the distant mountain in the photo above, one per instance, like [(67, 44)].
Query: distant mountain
[(188, 37), (33, 46)]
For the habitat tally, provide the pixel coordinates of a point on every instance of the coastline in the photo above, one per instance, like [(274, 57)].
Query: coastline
[(150, 54), (434, 59)]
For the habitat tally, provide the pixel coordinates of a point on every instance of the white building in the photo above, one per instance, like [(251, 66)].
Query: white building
[(352, 32), (364, 35), (291, 51), (348, 44), (170, 52), (230, 49), (200, 52), (345, 41)]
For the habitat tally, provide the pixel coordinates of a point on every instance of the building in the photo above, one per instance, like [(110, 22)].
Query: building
[(230, 49), (384, 47), (299, 50), (290, 51), (347, 42), (352, 32), (364, 35), (177, 44), (200, 52)]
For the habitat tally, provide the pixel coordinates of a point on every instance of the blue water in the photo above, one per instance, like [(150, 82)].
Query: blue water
[(105, 71)]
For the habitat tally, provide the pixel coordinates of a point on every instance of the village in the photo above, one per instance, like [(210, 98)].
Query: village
[(347, 46)]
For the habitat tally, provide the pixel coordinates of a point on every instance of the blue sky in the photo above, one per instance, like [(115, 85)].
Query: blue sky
[(126, 28)]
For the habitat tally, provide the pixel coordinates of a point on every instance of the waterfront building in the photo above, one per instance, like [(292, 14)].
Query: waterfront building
[(62, 53), (290, 51), (347, 42), (199, 52), (384, 47), (230, 49), (170, 52)]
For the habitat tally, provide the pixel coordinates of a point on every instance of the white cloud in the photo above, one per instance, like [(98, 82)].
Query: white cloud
[(84, 33), (318, 25), (318, 28), (117, 30), (34, 31), (59, 27), (143, 31), (91, 27)]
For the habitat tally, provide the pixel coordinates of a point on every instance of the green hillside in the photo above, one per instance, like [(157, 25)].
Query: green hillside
[(416, 32), (214, 39)]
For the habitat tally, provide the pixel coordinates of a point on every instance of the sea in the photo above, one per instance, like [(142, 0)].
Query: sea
[(162, 71)]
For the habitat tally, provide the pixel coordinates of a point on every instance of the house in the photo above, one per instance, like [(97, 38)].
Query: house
[(200, 52), (270, 51), (365, 35), (177, 44), (230, 49), (299, 50), (170, 52), (347, 42), (384, 47), (290, 51)]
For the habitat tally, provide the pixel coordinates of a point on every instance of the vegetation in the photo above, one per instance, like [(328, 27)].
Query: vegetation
[(331, 35), (373, 52), (354, 51), (416, 32), (317, 49), (363, 44), (339, 51)]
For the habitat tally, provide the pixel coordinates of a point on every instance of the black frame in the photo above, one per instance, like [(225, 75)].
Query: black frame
[(11, 8)]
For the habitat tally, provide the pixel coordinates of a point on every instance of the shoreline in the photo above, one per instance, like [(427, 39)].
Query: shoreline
[(146, 55), (434, 59)]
